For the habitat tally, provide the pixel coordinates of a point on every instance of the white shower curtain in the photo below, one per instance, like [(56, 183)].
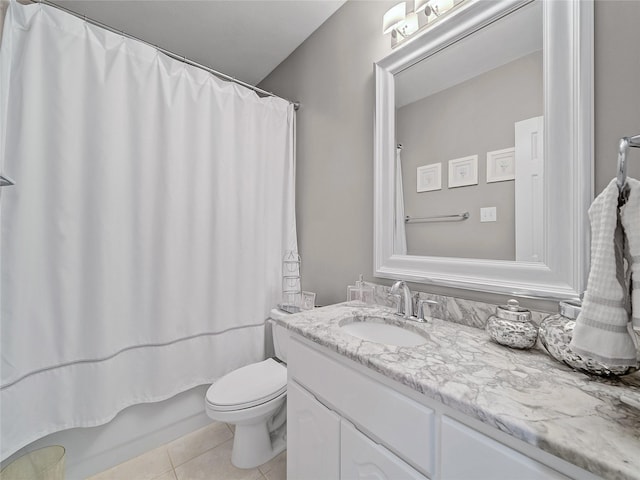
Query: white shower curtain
[(399, 231), (141, 246)]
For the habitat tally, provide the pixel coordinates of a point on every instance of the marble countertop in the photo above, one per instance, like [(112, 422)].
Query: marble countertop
[(524, 393)]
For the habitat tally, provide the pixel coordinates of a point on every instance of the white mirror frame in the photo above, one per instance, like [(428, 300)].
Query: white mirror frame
[(568, 130)]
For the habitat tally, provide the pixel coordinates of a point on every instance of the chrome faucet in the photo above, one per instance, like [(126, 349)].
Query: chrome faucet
[(405, 302)]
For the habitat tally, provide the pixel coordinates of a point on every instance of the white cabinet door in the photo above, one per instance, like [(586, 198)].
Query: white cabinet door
[(313, 437), (470, 455), (362, 459), (393, 419)]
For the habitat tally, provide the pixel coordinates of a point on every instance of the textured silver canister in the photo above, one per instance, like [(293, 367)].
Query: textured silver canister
[(556, 332), (512, 326)]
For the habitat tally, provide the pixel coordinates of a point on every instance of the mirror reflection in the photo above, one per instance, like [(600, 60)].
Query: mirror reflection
[(470, 122)]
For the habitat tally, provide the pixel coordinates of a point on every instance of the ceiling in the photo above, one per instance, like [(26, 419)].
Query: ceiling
[(245, 39)]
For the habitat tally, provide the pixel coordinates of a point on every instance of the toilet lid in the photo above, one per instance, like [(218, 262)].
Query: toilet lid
[(248, 386)]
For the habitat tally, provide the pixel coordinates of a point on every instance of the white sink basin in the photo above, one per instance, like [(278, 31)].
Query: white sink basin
[(381, 330)]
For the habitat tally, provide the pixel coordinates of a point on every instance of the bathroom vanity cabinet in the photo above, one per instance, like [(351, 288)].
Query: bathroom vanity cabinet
[(346, 422)]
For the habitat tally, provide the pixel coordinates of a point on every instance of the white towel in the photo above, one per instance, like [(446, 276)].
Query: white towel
[(602, 330), (630, 214)]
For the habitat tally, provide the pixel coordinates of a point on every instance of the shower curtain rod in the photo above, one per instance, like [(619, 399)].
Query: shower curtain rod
[(175, 56)]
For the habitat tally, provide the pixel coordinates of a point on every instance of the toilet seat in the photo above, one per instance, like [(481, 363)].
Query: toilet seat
[(248, 386)]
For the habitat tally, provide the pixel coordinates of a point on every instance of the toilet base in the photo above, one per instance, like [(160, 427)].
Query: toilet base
[(253, 445)]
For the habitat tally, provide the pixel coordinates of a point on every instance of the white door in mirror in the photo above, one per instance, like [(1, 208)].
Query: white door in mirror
[(529, 189)]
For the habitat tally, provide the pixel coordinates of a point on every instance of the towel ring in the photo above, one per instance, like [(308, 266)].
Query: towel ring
[(6, 181), (623, 149)]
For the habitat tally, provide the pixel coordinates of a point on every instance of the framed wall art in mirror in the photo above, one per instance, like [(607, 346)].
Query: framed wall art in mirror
[(547, 235)]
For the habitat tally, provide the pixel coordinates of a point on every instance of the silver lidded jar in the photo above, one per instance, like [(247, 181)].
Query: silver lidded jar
[(512, 326), (556, 332)]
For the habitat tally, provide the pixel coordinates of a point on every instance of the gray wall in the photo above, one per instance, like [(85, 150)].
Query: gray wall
[(483, 110), (332, 75), (617, 85)]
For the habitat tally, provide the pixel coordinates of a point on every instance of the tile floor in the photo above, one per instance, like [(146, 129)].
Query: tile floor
[(204, 454)]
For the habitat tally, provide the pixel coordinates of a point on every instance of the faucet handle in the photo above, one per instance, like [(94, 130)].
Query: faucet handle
[(421, 308)]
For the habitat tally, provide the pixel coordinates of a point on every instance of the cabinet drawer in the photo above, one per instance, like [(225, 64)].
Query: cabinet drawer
[(397, 422), (470, 455)]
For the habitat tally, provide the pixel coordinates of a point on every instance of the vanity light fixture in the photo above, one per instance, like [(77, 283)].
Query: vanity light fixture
[(394, 17), (424, 5), (402, 25), (397, 22), (433, 8)]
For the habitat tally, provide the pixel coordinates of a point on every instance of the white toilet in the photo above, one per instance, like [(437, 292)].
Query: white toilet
[(253, 398)]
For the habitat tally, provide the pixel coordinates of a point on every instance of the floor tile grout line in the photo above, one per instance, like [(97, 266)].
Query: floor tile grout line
[(166, 448), (263, 474), (201, 453), (166, 452)]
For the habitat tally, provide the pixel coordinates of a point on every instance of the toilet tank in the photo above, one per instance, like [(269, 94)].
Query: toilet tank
[(280, 335)]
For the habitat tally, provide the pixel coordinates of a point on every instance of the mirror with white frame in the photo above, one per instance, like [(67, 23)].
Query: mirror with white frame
[(539, 123)]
